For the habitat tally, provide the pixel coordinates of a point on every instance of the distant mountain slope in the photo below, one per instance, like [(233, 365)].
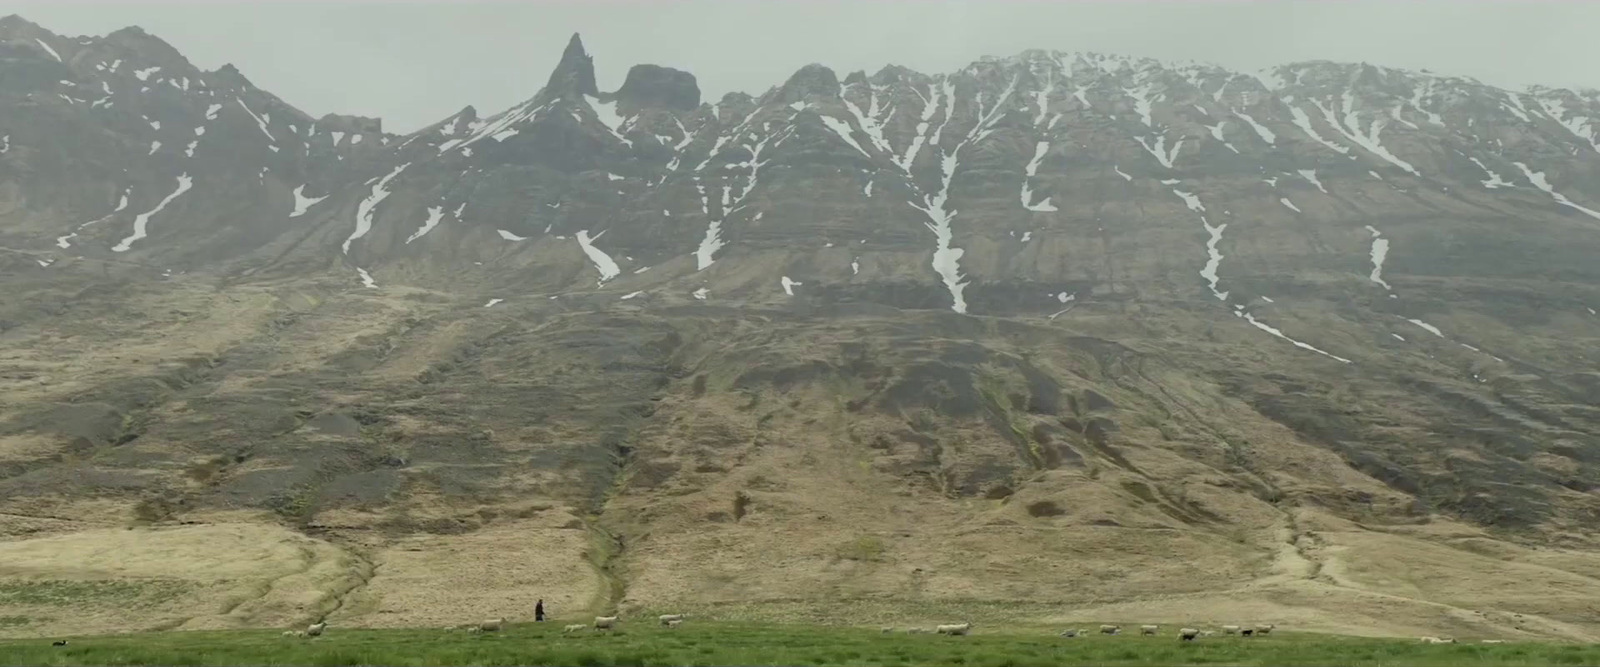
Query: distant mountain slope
[(1053, 337)]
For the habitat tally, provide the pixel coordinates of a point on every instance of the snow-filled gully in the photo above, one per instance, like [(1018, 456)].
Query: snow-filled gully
[(947, 257), (302, 203), (142, 221), (1539, 181), (364, 211), (602, 262), (1350, 127), (1380, 251)]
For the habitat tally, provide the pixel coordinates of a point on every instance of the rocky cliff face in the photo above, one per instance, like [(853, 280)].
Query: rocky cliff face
[(1299, 327)]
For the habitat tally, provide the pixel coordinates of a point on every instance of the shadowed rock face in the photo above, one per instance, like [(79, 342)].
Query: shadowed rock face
[(1193, 303), (656, 86)]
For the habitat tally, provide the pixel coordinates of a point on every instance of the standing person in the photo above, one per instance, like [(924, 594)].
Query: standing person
[(538, 611)]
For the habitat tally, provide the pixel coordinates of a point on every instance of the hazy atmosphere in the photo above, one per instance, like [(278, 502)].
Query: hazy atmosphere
[(1072, 333), (412, 63)]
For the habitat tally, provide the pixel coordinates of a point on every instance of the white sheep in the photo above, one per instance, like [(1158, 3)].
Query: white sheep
[(452, 628), (492, 625), (1230, 629), (605, 622), (916, 631), (1110, 629), (474, 630), (1494, 641), (1264, 628), (953, 630), (1069, 633), (288, 633), (1188, 634), (1437, 640), (575, 627), (674, 622), (670, 617), (886, 630), (315, 629), (1208, 633), (1148, 630)]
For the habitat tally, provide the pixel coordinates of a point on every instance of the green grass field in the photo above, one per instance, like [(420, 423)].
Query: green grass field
[(746, 644)]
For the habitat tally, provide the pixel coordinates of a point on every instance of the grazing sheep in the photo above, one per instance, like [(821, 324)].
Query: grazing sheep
[(1230, 629), (1148, 630), (1246, 632), (674, 622), (288, 633), (1264, 628), (670, 617), (1069, 633), (451, 628), (59, 642), (1188, 634), (575, 627), (886, 630), (1110, 629), (492, 625), (916, 631), (315, 629), (1208, 633), (954, 630), (1494, 641), (1436, 640), (474, 630), (605, 622)]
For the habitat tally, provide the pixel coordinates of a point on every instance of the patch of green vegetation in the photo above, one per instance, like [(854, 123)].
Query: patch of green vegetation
[(865, 548), (714, 643), (67, 591)]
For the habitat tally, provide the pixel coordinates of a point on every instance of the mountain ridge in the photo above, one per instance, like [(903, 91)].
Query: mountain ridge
[(903, 340)]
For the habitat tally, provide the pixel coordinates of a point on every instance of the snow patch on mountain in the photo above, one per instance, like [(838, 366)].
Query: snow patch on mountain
[(1539, 181), (1429, 327), (1159, 149), (704, 255), (947, 257), (435, 214), (368, 205), (789, 285), (607, 113), (49, 50), (602, 262), (1279, 333), (1350, 127), (1032, 168), (1303, 121), (1380, 251), (1213, 258), (366, 278), (1311, 176), (142, 221), (302, 203)]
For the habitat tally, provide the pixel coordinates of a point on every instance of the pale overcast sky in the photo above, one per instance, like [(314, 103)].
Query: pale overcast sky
[(415, 62)]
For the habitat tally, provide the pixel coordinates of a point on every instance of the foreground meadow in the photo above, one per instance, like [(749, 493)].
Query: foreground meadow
[(712, 643)]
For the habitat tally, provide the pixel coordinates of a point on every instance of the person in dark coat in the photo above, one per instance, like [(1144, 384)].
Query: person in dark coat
[(538, 611)]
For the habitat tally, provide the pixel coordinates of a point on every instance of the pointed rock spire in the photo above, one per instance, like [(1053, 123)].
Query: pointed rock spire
[(574, 75)]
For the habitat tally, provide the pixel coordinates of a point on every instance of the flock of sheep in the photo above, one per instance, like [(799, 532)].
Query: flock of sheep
[(603, 623), (496, 624), (1185, 634)]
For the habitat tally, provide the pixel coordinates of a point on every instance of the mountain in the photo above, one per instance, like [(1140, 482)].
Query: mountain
[(1057, 336)]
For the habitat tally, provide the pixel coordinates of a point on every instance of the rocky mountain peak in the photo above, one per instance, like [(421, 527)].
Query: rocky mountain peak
[(574, 74), (811, 80), (657, 86), (229, 77)]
